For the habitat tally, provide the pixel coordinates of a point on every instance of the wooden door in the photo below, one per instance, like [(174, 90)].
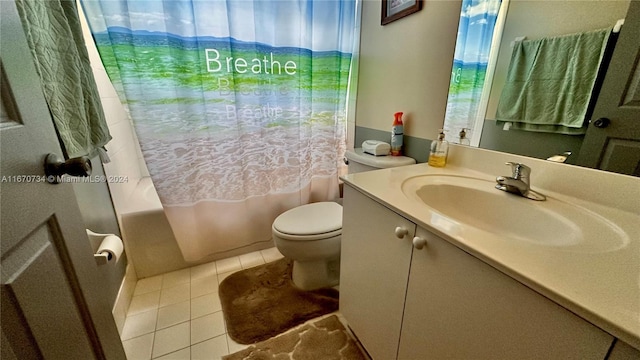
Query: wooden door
[(612, 141), (53, 303)]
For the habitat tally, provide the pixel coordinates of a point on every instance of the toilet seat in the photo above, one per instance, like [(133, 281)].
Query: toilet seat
[(313, 221)]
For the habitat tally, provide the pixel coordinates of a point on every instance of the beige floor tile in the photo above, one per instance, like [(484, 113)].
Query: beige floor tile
[(175, 294), (212, 349), (176, 278), (144, 302), (139, 348), (251, 259), (205, 305), (139, 324), (185, 309), (174, 314), (204, 285), (227, 265), (207, 327), (271, 254), (148, 285), (184, 354), (203, 270), (171, 339)]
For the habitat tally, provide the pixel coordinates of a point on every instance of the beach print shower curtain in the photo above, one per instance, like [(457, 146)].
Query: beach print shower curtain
[(239, 106), (473, 44)]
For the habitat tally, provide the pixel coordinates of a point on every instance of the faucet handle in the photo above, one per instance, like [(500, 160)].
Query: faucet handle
[(519, 171)]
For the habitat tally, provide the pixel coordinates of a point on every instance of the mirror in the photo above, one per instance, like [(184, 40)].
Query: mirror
[(535, 19)]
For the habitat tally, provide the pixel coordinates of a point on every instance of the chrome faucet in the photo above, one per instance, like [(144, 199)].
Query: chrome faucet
[(518, 182)]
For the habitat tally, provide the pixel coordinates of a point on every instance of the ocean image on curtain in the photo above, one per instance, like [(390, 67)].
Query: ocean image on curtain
[(473, 44), (239, 107)]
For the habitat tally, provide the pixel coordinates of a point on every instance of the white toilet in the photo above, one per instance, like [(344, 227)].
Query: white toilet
[(310, 234)]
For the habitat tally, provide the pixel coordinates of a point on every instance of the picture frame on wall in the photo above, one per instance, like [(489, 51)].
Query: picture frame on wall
[(393, 10)]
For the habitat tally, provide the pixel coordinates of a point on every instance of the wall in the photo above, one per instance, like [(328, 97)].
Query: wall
[(537, 145), (99, 216), (406, 66), (537, 19), (126, 162), (126, 158), (123, 149)]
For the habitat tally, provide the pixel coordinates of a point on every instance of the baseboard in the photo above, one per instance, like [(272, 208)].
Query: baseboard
[(125, 294)]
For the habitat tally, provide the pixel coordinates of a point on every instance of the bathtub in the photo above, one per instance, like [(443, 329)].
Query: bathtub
[(149, 241), (151, 245)]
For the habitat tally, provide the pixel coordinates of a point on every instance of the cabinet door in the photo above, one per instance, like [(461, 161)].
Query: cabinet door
[(374, 270), (459, 307), (623, 351)]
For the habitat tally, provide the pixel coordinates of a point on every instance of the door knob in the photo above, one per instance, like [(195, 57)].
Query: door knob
[(602, 123), (54, 167)]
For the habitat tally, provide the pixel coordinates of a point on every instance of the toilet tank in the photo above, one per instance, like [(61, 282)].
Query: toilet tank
[(358, 161)]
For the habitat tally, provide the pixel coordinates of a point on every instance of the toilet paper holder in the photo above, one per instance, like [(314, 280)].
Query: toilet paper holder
[(109, 250), (102, 258)]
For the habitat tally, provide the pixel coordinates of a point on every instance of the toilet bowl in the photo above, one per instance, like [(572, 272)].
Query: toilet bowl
[(310, 234)]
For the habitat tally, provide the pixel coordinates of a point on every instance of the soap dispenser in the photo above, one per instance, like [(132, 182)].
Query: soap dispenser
[(462, 139), (439, 151)]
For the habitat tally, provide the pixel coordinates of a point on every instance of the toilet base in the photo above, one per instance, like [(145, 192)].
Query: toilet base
[(311, 275)]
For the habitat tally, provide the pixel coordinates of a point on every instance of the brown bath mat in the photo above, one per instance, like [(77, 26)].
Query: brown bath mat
[(322, 339), (262, 302)]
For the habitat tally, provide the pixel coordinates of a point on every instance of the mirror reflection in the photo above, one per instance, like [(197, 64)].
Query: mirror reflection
[(530, 20)]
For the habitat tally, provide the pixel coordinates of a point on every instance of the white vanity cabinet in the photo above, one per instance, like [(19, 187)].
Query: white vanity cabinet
[(440, 302), (459, 307), (375, 259), (623, 351)]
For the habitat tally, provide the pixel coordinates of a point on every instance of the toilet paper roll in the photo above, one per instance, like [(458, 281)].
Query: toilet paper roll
[(111, 246)]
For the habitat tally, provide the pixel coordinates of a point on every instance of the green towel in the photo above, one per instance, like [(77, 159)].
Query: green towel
[(55, 38), (549, 82)]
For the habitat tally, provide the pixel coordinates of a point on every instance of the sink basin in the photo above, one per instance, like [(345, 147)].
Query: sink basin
[(475, 202)]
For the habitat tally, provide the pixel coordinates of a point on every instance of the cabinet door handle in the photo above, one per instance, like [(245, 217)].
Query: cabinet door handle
[(419, 242), (401, 232)]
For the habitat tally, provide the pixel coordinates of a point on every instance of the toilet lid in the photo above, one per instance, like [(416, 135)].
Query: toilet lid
[(310, 219)]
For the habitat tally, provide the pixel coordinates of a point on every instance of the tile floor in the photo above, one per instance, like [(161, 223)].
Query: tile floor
[(178, 315)]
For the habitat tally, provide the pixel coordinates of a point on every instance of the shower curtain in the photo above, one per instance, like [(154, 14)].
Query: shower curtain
[(473, 44), (239, 106)]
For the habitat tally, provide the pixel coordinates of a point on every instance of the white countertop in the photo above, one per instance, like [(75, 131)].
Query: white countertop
[(602, 287)]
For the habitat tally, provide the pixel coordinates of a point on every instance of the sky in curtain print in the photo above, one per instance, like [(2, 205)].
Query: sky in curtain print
[(277, 23)]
